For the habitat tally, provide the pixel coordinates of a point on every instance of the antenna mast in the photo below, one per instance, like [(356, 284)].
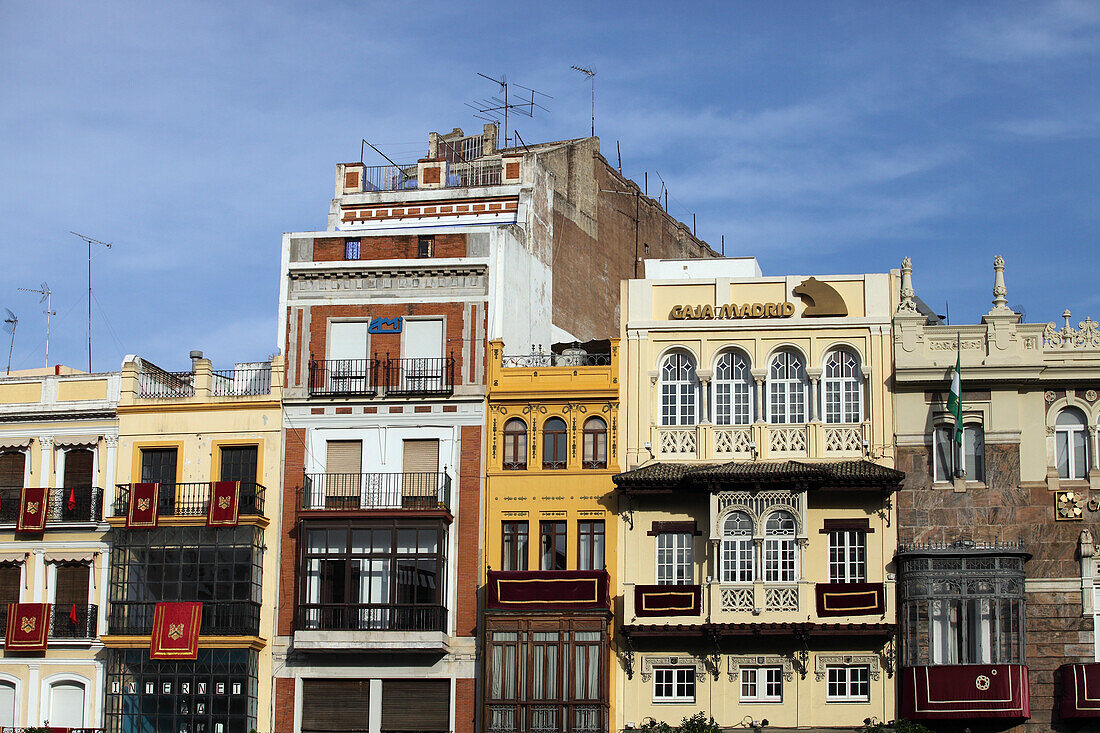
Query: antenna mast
[(9, 325), (591, 74), (46, 294), (90, 242), (492, 109)]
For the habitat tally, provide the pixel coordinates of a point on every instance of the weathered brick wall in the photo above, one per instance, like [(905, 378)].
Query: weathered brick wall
[(284, 706), (464, 705), (469, 527), (293, 466), (330, 249)]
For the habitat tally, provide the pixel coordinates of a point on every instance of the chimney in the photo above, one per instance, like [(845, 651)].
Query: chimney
[(489, 138), (196, 356)]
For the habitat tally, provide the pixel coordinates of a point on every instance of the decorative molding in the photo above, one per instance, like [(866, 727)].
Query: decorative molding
[(687, 660), (821, 661), (952, 345), (1085, 336), (908, 296), (1050, 396), (1068, 505), (737, 661)]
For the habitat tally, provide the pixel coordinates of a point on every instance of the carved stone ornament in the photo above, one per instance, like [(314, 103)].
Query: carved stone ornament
[(908, 302), (1049, 396), (736, 662), (1068, 505), (822, 661), (685, 660), (1085, 336), (1090, 395)]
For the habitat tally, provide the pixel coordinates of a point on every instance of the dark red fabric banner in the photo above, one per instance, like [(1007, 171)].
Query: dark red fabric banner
[(142, 511), (964, 691), (850, 599), (547, 589), (32, 510), (176, 631), (1080, 690), (667, 600), (225, 503), (28, 627)]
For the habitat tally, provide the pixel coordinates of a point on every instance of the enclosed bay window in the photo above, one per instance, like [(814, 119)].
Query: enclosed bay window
[(732, 385), (842, 387), (1071, 444), (515, 445), (675, 561), (779, 548), (948, 462), (674, 684), (847, 556), (787, 387), (679, 390), (738, 549)]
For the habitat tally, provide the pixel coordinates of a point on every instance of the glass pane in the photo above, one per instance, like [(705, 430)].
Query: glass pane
[(1061, 440)]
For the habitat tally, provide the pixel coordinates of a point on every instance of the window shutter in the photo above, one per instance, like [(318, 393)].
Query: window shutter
[(335, 705), (420, 456), (345, 459), (9, 582), (11, 470), (78, 469), (416, 705), (72, 585), (344, 456)]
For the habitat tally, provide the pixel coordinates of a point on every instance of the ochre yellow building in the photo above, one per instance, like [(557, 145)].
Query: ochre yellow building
[(549, 538)]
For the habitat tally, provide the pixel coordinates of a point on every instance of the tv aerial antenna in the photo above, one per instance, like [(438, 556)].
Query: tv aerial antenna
[(496, 108), (9, 327), (590, 72), (90, 242), (46, 294)]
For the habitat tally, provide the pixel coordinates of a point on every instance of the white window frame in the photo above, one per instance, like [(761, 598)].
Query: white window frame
[(1067, 432), (677, 677), (731, 389), (759, 679), (738, 549), (842, 388), (846, 676), (679, 390), (945, 432), (678, 566), (847, 556), (780, 552), (784, 390)]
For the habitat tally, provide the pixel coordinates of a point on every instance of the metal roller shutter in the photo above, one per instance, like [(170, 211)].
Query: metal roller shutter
[(416, 705), (335, 705)]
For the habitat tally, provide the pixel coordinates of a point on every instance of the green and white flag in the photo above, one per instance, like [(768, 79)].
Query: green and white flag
[(954, 405)]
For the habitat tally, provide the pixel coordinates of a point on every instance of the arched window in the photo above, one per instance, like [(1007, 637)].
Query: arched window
[(779, 554), (732, 389), (787, 387), (842, 390), (7, 705), (66, 705), (738, 561), (595, 443), (679, 390), (1071, 445), (553, 443), (11, 469), (515, 445)]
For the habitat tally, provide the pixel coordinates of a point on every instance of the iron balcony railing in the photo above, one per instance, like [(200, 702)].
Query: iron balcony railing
[(52, 729), (353, 491), (541, 360), (219, 618), (242, 381), (84, 504), (546, 715), (343, 377), (156, 382), (62, 625), (434, 376), (193, 499), (370, 617), (389, 177)]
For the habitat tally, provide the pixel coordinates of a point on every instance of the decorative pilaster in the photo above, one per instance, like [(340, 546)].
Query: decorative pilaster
[(46, 442), (109, 480), (814, 374), (760, 376), (704, 376)]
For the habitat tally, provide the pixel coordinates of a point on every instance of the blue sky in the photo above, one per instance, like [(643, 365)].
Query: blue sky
[(822, 138)]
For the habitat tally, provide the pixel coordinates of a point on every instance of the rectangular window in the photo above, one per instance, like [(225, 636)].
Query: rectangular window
[(239, 463), (847, 556), (779, 559), (552, 538), (513, 553), (158, 465), (79, 468), (848, 684), (351, 249), (946, 453), (10, 582), (71, 585), (761, 684), (674, 684), (590, 544), (341, 484), (675, 559), (12, 466), (425, 247)]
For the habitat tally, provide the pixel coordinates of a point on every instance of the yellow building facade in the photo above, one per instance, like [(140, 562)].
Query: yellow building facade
[(549, 538), (58, 431), (756, 517), (182, 432)]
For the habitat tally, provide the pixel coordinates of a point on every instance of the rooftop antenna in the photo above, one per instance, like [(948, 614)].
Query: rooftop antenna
[(90, 242), (46, 294), (9, 327), (492, 109), (591, 74)]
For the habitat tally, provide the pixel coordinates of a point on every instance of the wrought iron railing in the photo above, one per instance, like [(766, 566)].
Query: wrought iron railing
[(542, 360), (62, 625), (219, 618), (52, 729), (433, 376), (84, 504), (154, 382), (343, 377), (546, 715), (370, 617), (192, 499), (476, 173), (352, 491), (242, 381), (389, 177)]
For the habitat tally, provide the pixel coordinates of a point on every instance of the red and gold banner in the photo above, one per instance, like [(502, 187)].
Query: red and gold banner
[(28, 627), (958, 691), (667, 600), (142, 511), (32, 510), (176, 631), (225, 504), (1080, 690), (850, 599), (533, 590)]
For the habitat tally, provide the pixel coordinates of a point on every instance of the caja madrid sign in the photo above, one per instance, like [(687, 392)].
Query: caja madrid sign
[(732, 310)]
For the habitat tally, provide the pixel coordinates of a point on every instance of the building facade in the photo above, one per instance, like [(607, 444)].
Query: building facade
[(190, 586), (756, 513), (996, 557), (550, 526), (58, 439)]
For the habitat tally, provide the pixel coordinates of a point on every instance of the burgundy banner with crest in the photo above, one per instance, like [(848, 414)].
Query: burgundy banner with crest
[(176, 631), (850, 599), (32, 509), (959, 691), (28, 627), (142, 511), (225, 504), (667, 600), (1080, 690)]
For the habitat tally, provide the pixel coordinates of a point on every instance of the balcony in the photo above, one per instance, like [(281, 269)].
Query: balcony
[(965, 692), (761, 440), (667, 600), (86, 505), (346, 377), (63, 627), (357, 627), (427, 491), (219, 618), (396, 377), (51, 729), (737, 603), (146, 381), (548, 715), (1080, 691), (405, 177), (547, 590), (193, 499), (420, 377)]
